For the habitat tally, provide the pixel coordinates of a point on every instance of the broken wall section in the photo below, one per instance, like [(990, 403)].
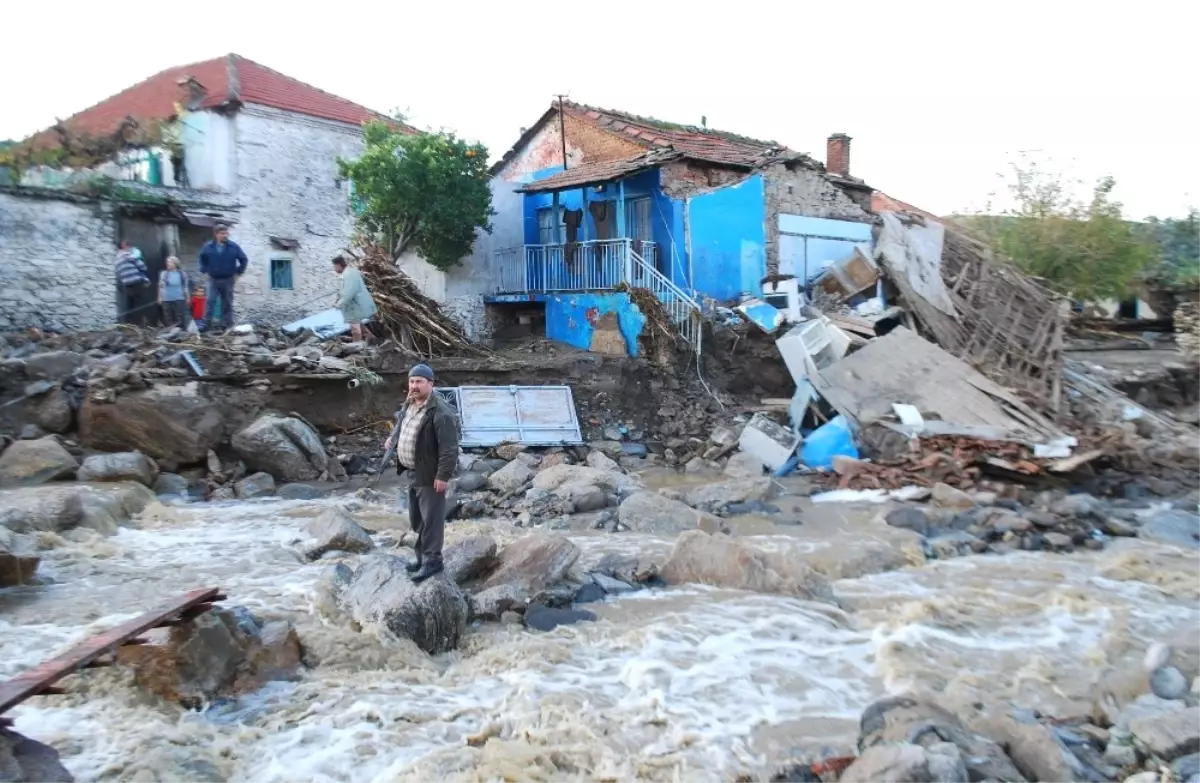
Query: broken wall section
[(800, 190)]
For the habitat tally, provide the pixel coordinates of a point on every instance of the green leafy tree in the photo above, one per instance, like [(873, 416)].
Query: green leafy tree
[(1178, 244), (426, 192), (1085, 250)]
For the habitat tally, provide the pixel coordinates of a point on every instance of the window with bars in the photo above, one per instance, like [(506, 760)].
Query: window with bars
[(281, 273)]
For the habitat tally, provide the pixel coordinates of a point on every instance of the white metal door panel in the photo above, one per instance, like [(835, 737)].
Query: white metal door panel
[(533, 415)]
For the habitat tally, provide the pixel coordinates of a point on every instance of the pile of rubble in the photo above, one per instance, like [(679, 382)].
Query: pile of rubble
[(963, 377)]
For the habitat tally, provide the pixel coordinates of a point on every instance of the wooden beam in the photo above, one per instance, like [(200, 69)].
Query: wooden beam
[(40, 679)]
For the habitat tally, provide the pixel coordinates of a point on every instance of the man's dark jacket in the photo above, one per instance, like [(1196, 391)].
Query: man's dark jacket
[(437, 443), (222, 262)]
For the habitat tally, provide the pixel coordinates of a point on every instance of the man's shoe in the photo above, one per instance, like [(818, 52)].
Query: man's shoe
[(427, 570), (413, 567)]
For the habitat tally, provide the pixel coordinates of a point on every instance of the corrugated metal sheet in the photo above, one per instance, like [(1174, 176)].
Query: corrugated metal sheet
[(533, 415)]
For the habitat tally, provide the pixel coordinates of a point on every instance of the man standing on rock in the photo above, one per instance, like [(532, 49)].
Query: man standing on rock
[(427, 447), (223, 262)]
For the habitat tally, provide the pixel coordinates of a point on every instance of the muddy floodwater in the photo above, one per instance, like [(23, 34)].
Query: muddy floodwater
[(686, 683)]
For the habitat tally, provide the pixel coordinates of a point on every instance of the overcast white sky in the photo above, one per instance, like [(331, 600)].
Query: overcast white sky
[(938, 97)]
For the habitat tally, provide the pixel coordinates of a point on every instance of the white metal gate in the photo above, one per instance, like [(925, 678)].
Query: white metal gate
[(532, 415)]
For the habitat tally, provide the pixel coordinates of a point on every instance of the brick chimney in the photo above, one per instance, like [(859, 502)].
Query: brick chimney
[(837, 154)]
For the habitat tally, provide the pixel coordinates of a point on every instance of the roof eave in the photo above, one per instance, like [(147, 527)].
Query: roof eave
[(520, 143)]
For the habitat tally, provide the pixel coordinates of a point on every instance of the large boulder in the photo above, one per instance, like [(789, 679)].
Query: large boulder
[(723, 562), (224, 652), (908, 719), (23, 760), (336, 531), (744, 465), (1171, 735), (177, 423), (510, 478), (126, 466), (1038, 750), (256, 485), (650, 512), (18, 560), (30, 462), (534, 562), (53, 412), (940, 763), (1173, 527), (723, 493), (171, 485), (52, 365), (471, 558), (285, 447), (59, 507), (381, 596), (561, 478)]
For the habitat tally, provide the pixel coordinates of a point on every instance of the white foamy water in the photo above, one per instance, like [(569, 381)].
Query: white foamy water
[(690, 683)]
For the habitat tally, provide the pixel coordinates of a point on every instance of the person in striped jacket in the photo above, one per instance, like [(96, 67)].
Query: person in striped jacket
[(132, 279)]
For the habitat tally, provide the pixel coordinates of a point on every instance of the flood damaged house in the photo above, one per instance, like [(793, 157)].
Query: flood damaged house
[(159, 163), (591, 201)]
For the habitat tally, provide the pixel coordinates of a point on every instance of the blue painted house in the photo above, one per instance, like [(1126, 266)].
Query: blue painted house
[(591, 201)]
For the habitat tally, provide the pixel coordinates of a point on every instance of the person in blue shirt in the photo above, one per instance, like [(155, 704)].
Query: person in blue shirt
[(223, 262)]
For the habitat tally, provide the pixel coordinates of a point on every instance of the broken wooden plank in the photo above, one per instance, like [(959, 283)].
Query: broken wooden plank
[(40, 679)]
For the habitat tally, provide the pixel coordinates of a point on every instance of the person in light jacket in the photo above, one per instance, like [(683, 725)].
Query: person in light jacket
[(174, 291), (355, 300)]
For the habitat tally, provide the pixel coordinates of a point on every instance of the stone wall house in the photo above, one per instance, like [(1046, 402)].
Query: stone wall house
[(259, 150)]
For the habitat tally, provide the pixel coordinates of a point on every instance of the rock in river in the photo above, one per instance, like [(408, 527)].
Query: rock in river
[(1171, 735), (721, 561), (256, 485), (471, 558), (1174, 527), (534, 562), (125, 466), (30, 462), (905, 763), (908, 719), (285, 447), (380, 595), (28, 761), (223, 652), (336, 531), (650, 512), (546, 618), (18, 560), (58, 507)]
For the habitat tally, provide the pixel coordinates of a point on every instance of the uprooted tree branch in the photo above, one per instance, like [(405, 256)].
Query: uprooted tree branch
[(405, 315)]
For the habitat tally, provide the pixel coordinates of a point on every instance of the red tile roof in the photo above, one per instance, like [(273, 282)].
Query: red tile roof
[(702, 144), (596, 173), (227, 80), (882, 202)]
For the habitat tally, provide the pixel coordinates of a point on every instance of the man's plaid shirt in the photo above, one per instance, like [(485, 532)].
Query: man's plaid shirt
[(406, 440)]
